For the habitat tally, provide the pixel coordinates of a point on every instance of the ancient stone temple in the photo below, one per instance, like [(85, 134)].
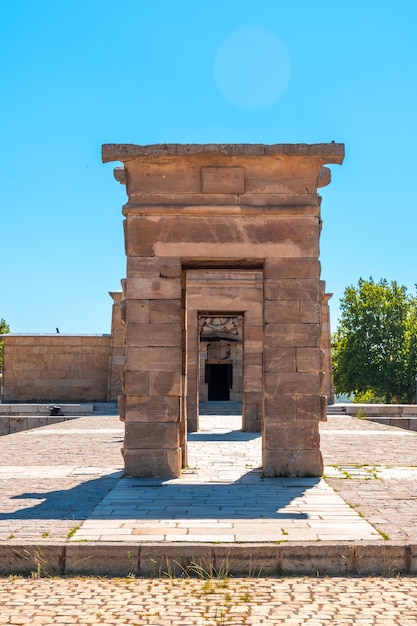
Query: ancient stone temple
[(223, 298)]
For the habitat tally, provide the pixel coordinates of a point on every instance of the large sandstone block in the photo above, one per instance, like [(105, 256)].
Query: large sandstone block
[(135, 383), (283, 383), (143, 267), (252, 419), (254, 359), (165, 311), (292, 335), (137, 311), (153, 409), (292, 289), (308, 407), (309, 359), (165, 383), (154, 359), (292, 268), (310, 312), (252, 378), (279, 359), (223, 179), (153, 335), (222, 236), (284, 311), (299, 436), (171, 267), (151, 435), (292, 463), (153, 288), (281, 408), (152, 463)]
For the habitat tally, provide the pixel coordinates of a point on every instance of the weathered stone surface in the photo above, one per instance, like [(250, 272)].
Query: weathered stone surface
[(308, 407), (252, 418), (300, 436), (292, 268), (173, 559), (252, 378), (135, 383), (151, 435), (154, 359), (142, 462), (122, 407), (94, 559), (292, 289), (153, 288), (283, 383), (137, 311), (152, 409), (292, 335), (143, 267), (309, 359), (283, 311), (171, 267), (153, 335), (279, 359), (165, 383), (281, 408), (223, 237), (165, 311), (223, 179), (293, 463), (310, 312)]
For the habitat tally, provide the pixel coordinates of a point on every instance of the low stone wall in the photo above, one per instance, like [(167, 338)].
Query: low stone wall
[(378, 410), (55, 368), (398, 415)]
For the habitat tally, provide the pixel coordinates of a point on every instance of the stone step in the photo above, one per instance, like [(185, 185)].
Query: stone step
[(220, 408), (335, 409), (81, 408), (106, 408)]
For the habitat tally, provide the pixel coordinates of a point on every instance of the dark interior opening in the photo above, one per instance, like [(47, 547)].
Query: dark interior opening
[(219, 378)]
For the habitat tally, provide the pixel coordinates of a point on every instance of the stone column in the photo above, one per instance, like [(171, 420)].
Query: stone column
[(292, 365), (153, 377), (326, 344), (117, 348)]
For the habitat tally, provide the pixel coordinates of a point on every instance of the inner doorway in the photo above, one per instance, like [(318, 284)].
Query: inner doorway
[(219, 380), (220, 362)]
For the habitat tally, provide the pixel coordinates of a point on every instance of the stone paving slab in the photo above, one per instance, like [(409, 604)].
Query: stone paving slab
[(224, 483)]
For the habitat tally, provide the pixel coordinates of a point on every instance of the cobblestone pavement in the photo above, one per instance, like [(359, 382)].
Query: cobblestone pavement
[(210, 602)]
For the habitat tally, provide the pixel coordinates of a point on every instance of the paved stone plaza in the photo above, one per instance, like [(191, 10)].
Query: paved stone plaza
[(65, 483), (50, 488)]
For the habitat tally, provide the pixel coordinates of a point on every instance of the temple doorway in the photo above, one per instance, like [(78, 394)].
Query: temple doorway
[(219, 380)]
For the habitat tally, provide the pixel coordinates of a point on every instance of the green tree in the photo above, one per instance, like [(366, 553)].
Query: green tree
[(375, 345), (4, 328)]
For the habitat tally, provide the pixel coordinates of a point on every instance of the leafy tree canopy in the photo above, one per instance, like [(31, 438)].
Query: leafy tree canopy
[(4, 328), (375, 345)]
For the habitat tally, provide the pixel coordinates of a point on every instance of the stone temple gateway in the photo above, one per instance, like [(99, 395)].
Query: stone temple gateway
[(223, 277)]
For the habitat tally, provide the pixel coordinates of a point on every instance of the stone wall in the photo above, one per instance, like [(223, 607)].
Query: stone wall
[(55, 368), (117, 348)]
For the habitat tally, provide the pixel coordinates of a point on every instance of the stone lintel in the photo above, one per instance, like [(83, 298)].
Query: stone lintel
[(330, 152)]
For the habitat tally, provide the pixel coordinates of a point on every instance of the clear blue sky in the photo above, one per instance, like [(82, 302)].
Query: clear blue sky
[(75, 75)]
